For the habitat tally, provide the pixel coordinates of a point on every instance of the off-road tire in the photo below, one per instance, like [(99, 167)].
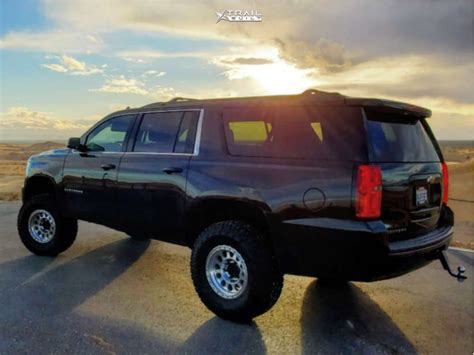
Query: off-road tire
[(264, 283), (66, 228)]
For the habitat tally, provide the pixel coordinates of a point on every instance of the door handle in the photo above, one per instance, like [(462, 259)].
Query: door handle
[(108, 166), (172, 170)]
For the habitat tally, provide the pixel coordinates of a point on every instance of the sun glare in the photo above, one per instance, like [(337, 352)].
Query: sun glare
[(281, 78), (275, 77)]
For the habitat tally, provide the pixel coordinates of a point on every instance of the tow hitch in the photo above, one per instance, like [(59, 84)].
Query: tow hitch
[(461, 269)]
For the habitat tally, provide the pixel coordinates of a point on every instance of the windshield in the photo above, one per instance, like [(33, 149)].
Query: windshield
[(397, 138)]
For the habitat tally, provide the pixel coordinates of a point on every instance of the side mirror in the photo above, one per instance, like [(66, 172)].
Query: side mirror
[(75, 143)]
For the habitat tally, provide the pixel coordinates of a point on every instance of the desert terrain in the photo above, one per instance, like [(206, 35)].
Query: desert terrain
[(458, 154), (13, 159)]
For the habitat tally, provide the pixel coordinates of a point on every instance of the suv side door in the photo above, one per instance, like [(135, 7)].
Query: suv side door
[(153, 172), (89, 177)]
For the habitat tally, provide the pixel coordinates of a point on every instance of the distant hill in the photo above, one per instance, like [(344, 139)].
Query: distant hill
[(41, 147), (24, 151), (455, 144)]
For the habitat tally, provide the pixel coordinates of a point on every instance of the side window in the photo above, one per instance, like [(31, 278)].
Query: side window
[(187, 133), (167, 132), (110, 135), (318, 130), (249, 132), (295, 132)]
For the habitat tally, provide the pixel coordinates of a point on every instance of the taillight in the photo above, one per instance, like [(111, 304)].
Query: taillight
[(444, 169), (369, 191)]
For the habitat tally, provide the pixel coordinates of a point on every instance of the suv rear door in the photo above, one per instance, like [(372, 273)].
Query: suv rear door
[(152, 173), (405, 149)]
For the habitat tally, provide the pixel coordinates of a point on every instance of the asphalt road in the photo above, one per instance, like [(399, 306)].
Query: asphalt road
[(108, 294)]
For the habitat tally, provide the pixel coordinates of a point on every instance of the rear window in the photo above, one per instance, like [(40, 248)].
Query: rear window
[(396, 138), (295, 132)]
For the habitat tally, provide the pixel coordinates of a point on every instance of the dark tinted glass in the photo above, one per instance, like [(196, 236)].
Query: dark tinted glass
[(395, 138), (299, 132), (187, 133), (157, 132), (110, 135), (167, 132)]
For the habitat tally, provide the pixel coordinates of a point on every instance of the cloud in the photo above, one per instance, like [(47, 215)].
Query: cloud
[(154, 73), (134, 60), (136, 55), (404, 77), (73, 66), (325, 54), (55, 67), (123, 85), (248, 61), (267, 71), (160, 93), (452, 126), (52, 42), (23, 122), (363, 28)]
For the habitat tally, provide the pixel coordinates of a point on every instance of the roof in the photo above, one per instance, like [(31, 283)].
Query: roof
[(308, 96)]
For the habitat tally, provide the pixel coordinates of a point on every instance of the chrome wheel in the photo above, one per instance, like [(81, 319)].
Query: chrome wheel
[(42, 226), (226, 271)]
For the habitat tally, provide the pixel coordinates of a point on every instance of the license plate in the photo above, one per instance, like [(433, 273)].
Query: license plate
[(421, 196)]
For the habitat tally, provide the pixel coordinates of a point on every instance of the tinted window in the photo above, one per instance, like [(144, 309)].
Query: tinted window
[(300, 132), (110, 135), (249, 132), (395, 138), (187, 133), (167, 132)]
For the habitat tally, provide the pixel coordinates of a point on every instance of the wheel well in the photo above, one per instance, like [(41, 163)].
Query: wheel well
[(38, 185), (207, 212)]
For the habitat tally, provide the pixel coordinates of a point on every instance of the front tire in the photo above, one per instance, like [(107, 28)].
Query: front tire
[(42, 229), (234, 271)]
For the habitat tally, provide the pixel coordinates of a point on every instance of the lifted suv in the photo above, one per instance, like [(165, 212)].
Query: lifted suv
[(317, 184)]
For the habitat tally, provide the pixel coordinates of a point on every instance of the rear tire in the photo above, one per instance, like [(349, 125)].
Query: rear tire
[(42, 229), (253, 283)]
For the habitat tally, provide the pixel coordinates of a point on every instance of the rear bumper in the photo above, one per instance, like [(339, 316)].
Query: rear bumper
[(355, 250), (426, 243)]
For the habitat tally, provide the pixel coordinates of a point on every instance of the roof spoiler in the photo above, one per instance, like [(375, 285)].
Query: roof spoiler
[(390, 106)]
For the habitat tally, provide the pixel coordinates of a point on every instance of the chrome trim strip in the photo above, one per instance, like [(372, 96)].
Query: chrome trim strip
[(197, 142), (156, 153)]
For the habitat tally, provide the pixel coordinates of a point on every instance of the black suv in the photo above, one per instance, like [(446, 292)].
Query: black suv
[(316, 184)]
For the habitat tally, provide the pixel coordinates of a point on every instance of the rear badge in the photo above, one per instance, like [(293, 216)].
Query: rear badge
[(421, 196)]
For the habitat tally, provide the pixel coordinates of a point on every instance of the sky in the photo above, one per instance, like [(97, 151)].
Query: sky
[(65, 64)]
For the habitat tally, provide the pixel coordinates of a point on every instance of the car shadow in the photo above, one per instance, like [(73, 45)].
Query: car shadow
[(338, 317), (62, 288), (16, 272), (40, 313), (218, 336)]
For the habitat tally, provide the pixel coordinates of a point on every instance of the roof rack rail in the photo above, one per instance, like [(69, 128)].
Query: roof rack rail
[(318, 92), (179, 99)]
